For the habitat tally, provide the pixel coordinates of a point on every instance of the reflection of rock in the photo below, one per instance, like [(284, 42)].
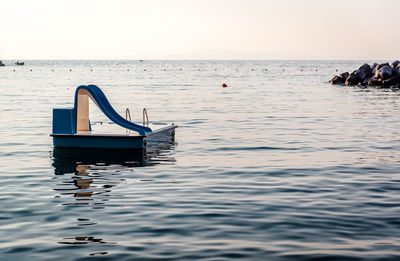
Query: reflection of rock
[(380, 75)]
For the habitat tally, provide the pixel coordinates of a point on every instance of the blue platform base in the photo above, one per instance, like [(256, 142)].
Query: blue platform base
[(99, 141), (112, 141)]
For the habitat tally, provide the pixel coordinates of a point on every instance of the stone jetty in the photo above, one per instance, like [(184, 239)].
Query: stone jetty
[(383, 75)]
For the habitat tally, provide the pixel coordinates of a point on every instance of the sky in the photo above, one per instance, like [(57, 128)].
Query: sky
[(200, 29)]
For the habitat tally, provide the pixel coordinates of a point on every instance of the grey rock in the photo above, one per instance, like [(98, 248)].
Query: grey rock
[(395, 80), (364, 71), (381, 65), (373, 67), (394, 64), (374, 82), (341, 79), (396, 70), (384, 72), (358, 76), (353, 79), (344, 75), (336, 80)]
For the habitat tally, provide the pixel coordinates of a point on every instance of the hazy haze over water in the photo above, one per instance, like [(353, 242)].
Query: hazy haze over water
[(206, 29)]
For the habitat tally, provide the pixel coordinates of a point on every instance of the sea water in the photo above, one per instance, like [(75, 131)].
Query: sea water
[(280, 165)]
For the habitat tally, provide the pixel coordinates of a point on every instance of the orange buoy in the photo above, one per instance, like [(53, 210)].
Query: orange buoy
[(224, 85)]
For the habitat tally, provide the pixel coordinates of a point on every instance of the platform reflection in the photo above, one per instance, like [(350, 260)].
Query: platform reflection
[(69, 160), (86, 181)]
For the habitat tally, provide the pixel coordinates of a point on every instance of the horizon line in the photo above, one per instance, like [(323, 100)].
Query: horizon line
[(124, 59)]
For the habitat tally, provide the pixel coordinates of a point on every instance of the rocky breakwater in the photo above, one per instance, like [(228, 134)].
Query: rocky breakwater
[(383, 75)]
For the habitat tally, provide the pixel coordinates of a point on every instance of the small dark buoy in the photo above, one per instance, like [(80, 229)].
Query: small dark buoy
[(301, 69), (252, 70), (14, 70), (144, 70), (224, 85), (127, 70), (283, 70), (266, 70), (52, 70), (165, 70), (91, 70), (336, 69), (30, 69), (316, 70), (70, 70)]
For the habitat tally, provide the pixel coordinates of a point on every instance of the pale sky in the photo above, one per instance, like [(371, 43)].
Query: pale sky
[(200, 29)]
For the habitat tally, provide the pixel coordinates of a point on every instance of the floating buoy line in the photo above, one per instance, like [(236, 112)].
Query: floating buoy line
[(199, 69)]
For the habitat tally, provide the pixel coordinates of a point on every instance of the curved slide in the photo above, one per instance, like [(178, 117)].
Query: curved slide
[(102, 102)]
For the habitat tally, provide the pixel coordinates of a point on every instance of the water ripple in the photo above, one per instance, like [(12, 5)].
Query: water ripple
[(278, 166)]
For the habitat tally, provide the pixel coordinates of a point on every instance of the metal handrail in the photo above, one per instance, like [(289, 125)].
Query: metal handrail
[(145, 117), (127, 114), (127, 117)]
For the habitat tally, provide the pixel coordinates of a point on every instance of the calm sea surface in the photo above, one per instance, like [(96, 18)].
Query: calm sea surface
[(280, 165)]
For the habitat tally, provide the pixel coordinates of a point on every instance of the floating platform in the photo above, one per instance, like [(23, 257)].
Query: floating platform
[(72, 127)]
